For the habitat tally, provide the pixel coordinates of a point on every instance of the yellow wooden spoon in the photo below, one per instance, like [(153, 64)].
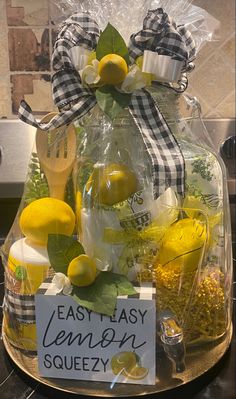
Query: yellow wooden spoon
[(56, 151)]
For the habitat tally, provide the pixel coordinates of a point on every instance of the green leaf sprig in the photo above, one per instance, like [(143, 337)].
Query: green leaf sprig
[(102, 294), (111, 42), (36, 187), (109, 99), (203, 168), (62, 250)]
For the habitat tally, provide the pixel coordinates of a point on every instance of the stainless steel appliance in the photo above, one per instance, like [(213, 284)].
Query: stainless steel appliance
[(223, 136), (16, 143)]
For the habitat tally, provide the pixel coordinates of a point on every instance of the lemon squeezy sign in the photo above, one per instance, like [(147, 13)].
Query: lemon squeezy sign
[(76, 343)]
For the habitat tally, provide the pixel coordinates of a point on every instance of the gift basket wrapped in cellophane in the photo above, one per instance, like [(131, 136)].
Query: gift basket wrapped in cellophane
[(118, 265)]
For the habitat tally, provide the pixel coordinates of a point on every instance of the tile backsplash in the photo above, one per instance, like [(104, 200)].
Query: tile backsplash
[(27, 35)]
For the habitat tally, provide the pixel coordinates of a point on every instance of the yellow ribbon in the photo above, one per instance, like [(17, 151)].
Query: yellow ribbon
[(153, 232), (137, 244)]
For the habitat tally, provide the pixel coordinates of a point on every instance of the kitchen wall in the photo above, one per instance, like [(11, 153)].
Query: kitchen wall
[(27, 34)]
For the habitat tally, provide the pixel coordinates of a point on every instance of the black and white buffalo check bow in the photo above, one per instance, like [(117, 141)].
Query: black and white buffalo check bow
[(161, 35)]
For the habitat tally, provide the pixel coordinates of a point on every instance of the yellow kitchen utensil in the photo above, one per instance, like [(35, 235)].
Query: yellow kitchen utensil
[(56, 151)]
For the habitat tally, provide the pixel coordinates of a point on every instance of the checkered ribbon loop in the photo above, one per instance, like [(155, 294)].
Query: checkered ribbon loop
[(21, 307), (143, 290), (161, 35), (167, 160), (68, 92), (78, 30)]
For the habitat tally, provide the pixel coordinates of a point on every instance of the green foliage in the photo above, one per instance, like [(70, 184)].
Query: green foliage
[(203, 168), (193, 190), (101, 296), (210, 200), (83, 175), (112, 101), (70, 193), (111, 42), (62, 250), (36, 187)]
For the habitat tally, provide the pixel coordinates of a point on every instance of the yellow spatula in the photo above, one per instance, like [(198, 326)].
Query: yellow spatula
[(56, 151)]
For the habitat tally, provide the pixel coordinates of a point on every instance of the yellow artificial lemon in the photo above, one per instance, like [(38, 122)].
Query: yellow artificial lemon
[(183, 245), (136, 373), (111, 184), (82, 271), (123, 361), (112, 69), (46, 216)]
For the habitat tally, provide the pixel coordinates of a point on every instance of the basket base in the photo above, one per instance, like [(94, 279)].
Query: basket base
[(198, 362)]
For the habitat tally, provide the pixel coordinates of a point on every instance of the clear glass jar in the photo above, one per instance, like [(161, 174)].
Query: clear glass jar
[(182, 245), (210, 308), (179, 246)]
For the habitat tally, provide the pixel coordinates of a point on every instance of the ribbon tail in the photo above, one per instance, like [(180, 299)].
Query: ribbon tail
[(168, 165), (81, 108)]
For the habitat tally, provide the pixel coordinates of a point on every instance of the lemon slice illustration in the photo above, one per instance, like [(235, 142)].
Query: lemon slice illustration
[(136, 373), (123, 361)]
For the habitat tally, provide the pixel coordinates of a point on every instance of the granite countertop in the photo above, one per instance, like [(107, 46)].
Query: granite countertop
[(219, 382)]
